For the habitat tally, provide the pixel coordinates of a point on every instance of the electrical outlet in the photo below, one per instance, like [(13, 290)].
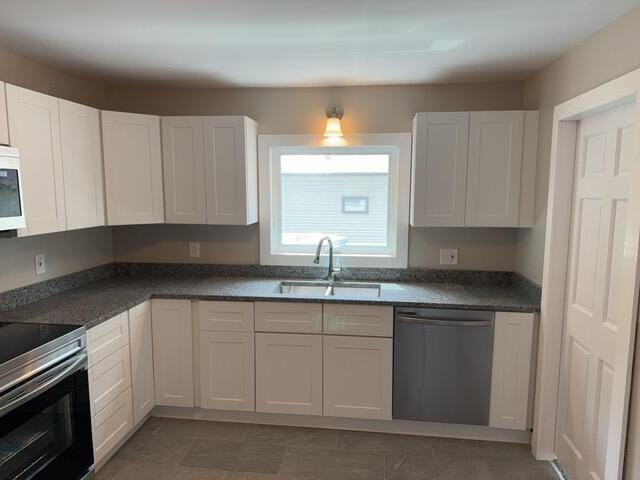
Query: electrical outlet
[(448, 256), (41, 266), (194, 249)]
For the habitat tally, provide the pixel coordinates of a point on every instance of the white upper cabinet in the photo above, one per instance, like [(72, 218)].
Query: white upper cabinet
[(133, 168), (439, 164), (82, 165), (474, 169), (184, 174), (34, 128), (231, 166), (210, 170), (4, 123)]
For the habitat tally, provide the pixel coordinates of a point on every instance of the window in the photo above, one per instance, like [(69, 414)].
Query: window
[(350, 193)]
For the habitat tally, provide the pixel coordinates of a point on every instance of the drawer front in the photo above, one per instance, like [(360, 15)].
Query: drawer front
[(106, 338), (288, 317), (361, 320), (111, 425), (225, 316), (109, 378)]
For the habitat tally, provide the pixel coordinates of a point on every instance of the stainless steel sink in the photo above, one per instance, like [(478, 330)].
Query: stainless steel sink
[(329, 289)]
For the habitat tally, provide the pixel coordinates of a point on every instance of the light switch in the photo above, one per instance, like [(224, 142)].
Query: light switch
[(41, 266), (194, 249), (448, 256)]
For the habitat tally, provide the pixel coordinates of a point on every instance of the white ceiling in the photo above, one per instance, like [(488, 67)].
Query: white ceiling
[(301, 42)]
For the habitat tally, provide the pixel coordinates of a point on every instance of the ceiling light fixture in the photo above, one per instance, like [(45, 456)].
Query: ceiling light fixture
[(334, 115)]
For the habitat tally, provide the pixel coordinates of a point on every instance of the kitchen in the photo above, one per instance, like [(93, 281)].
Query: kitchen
[(175, 225)]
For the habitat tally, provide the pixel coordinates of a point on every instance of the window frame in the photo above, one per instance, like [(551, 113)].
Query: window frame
[(397, 145)]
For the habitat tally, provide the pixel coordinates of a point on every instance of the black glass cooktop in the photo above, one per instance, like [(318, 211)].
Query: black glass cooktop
[(19, 338)]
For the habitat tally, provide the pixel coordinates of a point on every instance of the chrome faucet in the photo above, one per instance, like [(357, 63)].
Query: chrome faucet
[(316, 260)]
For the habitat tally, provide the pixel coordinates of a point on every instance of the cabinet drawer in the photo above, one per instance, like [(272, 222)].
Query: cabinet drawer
[(106, 338), (109, 378), (225, 316), (288, 317), (111, 425), (362, 320)]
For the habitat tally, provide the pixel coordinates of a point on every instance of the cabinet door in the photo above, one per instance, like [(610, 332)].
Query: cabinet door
[(358, 377), (133, 168), (141, 343), (494, 169), (227, 370), (184, 172), (111, 425), (34, 126), (172, 352), (109, 378), (82, 165), (4, 125), (288, 317), (230, 153), (513, 339), (439, 169), (289, 373)]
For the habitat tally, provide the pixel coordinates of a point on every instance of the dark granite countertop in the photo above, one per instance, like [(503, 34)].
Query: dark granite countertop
[(96, 302)]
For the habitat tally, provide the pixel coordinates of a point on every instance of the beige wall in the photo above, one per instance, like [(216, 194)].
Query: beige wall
[(298, 111), (65, 252), (606, 55)]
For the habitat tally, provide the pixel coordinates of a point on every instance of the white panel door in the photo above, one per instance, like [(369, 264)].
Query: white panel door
[(358, 377), (172, 352), (289, 373), (604, 161), (82, 165), (4, 125), (141, 344), (439, 169), (34, 127), (227, 367), (494, 169), (230, 166), (133, 168), (511, 375), (184, 172)]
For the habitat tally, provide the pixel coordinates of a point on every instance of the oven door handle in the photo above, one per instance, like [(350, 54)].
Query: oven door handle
[(36, 386)]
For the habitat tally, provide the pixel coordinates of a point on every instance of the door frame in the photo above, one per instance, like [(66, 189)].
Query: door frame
[(618, 92)]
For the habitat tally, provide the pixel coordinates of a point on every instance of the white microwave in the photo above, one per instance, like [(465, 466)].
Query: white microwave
[(11, 204)]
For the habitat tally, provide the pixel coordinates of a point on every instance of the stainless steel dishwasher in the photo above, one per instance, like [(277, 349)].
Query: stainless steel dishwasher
[(442, 365)]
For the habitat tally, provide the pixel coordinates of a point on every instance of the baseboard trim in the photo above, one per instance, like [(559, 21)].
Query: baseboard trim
[(384, 426)]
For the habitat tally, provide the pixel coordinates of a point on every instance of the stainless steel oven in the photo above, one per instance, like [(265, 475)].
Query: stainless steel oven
[(11, 204), (45, 420)]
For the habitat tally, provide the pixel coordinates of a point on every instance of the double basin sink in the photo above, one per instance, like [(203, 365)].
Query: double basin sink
[(330, 289)]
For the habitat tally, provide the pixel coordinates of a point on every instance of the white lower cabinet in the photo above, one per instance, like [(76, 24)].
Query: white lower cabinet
[(289, 373), (172, 352), (141, 343), (358, 377), (111, 425), (227, 367), (109, 378)]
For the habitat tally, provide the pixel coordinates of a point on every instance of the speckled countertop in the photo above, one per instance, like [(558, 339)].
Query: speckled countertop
[(96, 302)]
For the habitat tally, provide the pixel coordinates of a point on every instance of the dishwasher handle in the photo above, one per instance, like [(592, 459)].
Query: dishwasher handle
[(445, 323)]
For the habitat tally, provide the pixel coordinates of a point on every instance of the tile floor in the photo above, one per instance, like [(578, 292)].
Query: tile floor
[(167, 448)]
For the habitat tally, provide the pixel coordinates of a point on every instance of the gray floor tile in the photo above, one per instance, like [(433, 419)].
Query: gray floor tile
[(155, 449), (109, 469), (482, 450), (385, 443), (519, 471), (423, 468), (235, 456), (235, 432), (356, 466), (294, 436), (151, 425), (303, 463), (250, 476)]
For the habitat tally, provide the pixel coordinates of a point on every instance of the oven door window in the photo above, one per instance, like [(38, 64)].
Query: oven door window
[(9, 193), (39, 435)]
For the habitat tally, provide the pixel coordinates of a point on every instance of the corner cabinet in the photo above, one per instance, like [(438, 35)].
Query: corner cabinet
[(210, 170), (34, 128), (474, 169), (82, 165), (4, 122), (133, 168), (140, 339)]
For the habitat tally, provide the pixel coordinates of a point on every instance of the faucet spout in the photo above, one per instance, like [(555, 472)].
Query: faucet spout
[(316, 260)]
